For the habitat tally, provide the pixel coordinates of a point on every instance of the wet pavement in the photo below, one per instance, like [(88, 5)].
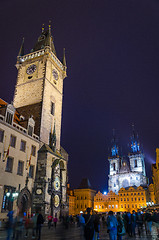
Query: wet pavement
[(60, 233)]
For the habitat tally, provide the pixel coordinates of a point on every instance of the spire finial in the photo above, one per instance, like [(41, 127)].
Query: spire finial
[(64, 58), (49, 26), (43, 27), (21, 51)]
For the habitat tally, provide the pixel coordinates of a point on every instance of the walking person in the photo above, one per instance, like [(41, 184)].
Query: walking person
[(40, 221), (120, 227), (55, 220), (96, 226), (50, 217), (133, 223), (9, 225), (89, 225), (81, 224), (112, 224)]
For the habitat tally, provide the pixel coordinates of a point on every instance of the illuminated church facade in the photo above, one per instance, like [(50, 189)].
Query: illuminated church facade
[(125, 173)]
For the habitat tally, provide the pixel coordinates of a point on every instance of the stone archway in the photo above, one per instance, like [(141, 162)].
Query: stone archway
[(24, 200)]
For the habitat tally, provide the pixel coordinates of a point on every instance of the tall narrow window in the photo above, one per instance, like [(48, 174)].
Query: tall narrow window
[(114, 167), (22, 146), (20, 168), (1, 135), (9, 165), (135, 163), (33, 150), (52, 108), (31, 171), (12, 141)]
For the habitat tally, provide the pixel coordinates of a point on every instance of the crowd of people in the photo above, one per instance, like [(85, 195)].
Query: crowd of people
[(23, 225), (115, 224)]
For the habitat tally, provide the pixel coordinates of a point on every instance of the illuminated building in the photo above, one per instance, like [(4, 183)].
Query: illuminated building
[(127, 199), (71, 200), (84, 196), (106, 202), (125, 173), (155, 176), (132, 198), (38, 99)]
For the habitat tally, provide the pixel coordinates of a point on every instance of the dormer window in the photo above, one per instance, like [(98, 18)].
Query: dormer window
[(31, 124), (10, 114)]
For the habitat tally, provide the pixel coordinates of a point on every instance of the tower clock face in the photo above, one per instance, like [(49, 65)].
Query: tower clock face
[(57, 183), (56, 201), (55, 74), (31, 69)]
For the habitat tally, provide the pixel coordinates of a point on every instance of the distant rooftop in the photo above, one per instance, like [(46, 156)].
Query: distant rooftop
[(85, 183)]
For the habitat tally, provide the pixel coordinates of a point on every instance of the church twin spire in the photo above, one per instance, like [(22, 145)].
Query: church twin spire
[(134, 147)]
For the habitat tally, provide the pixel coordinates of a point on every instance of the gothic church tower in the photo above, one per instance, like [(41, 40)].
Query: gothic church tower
[(39, 87)]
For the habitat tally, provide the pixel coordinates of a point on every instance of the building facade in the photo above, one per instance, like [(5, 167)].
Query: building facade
[(127, 199), (83, 197), (38, 97), (155, 176), (125, 173), (18, 159)]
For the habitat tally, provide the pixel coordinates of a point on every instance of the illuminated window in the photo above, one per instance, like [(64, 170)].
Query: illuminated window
[(112, 206), (99, 206), (1, 135), (116, 206), (109, 206), (96, 206), (7, 204)]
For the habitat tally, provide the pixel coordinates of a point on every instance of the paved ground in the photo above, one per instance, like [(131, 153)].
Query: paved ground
[(73, 233)]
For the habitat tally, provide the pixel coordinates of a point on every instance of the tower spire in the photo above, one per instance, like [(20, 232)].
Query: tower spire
[(21, 50), (64, 58), (135, 146), (114, 148), (42, 30)]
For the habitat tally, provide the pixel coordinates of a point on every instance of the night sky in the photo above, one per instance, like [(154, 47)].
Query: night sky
[(112, 53)]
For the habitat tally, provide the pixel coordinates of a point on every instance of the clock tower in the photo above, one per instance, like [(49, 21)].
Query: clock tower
[(39, 87), (39, 92)]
